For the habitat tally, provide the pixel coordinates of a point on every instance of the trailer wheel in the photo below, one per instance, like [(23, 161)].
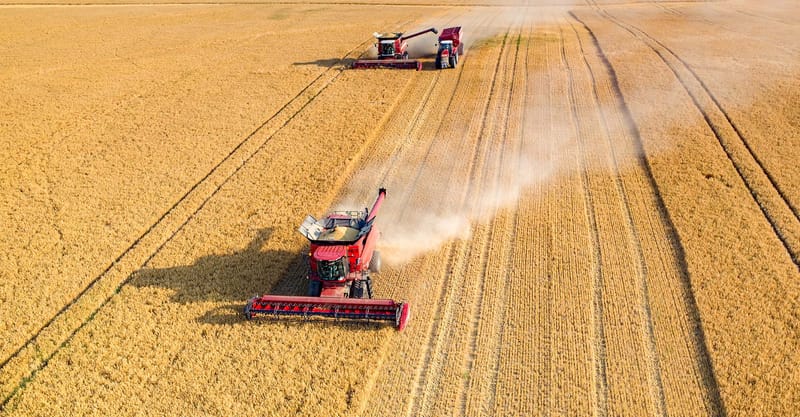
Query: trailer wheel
[(314, 288), (375, 263)]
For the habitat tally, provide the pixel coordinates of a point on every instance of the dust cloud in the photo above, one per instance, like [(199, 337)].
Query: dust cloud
[(439, 209)]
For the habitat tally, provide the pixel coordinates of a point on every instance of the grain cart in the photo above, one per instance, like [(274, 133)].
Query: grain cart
[(450, 47), (341, 257), (393, 51)]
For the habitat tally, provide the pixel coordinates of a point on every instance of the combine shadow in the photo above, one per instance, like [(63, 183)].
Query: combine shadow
[(329, 63), (230, 278)]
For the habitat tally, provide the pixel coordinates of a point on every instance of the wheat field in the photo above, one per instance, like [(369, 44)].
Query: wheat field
[(595, 213)]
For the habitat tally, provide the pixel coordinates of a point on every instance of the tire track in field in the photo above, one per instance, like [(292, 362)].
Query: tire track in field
[(702, 17), (510, 246), (197, 196), (715, 405), (599, 347), (391, 171), (767, 18), (782, 215), (547, 397), (656, 383), (455, 265), (482, 247), (402, 145)]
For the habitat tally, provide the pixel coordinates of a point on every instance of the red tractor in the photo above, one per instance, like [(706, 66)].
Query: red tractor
[(393, 51), (450, 47), (341, 257)]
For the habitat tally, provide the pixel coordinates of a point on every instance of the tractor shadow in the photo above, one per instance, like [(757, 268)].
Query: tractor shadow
[(329, 63), (230, 279)]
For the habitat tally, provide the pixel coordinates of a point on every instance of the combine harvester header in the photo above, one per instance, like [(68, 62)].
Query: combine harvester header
[(341, 256)]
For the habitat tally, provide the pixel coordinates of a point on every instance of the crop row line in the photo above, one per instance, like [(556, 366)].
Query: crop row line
[(505, 294), (782, 216), (711, 387), (402, 146), (641, 266), (445, 302), (601, 378)]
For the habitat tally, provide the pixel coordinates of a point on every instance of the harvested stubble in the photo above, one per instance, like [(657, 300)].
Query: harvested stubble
[(631, 272)]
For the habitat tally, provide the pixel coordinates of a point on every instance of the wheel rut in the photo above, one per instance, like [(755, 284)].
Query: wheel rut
[(693, 326), (782, 216), (431, 370), (600, 340)]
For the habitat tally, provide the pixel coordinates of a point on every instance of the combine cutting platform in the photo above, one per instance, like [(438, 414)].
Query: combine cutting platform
[(338, 308)]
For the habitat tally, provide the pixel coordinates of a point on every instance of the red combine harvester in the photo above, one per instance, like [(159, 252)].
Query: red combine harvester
[(450, 47), (393, 51), (341, 256)]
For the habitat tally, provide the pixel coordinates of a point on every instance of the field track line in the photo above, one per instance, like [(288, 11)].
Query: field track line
[(511, 225), (420, 114), (483, 150), (548, 399), (599, 348), (768, 18), (715, 404), (636, 244), (444, 306), (218, 176), (412, 130), (783, 217)]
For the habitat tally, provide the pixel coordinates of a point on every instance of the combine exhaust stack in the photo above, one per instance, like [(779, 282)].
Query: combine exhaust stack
[(341, 257), (338, 308)]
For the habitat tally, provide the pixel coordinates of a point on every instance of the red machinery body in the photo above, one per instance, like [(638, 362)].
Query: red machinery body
[(341, 257), (451, 46), (393, 51)]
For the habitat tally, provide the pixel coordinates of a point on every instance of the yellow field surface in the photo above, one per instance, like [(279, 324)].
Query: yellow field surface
[(596, 213)]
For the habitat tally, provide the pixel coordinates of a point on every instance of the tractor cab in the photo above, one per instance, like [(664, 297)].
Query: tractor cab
[(446, 45)]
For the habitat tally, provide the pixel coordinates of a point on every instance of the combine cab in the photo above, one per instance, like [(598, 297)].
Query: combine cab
[(341, 257), (450, 47), (393, 52)]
